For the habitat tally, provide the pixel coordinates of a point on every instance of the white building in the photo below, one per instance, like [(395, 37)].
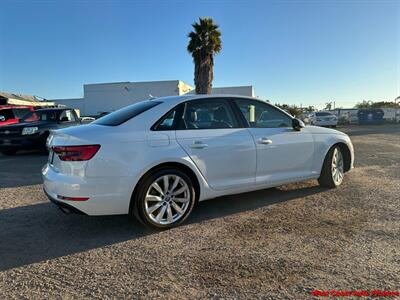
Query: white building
[(105, 97)]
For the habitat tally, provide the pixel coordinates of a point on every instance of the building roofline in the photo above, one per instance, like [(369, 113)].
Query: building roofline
[(234, 86), (128, 82)]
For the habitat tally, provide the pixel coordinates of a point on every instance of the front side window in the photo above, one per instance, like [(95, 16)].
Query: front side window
[(65, 116), (263, 115), (209, 114)]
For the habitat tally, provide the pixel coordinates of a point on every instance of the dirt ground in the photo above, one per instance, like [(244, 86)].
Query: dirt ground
[(274, 244)]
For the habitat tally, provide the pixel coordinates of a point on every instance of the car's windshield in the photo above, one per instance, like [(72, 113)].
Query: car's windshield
[(45, 115)]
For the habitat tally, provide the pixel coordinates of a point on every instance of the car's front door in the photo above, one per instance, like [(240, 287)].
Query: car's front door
[(283, 154), (224, 153)]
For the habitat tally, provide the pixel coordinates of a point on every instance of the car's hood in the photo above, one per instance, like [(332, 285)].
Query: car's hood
[(322, 130)]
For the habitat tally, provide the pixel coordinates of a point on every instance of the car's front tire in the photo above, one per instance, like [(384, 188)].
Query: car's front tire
[(332, 172), (164, 199)]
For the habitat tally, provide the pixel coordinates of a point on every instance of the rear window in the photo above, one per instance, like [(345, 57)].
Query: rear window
[(124, 114)]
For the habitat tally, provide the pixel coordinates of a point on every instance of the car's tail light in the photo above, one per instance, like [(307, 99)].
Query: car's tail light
[(76, 153)]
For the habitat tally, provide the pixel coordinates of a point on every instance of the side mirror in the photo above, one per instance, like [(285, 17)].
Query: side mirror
[(297, 124), (64, 119)]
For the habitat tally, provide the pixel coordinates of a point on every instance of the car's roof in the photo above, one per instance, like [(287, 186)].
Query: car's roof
[(183, 98)]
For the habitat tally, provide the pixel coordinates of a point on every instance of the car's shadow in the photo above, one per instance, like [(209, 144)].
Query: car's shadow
[(21, 169), (39, 232)]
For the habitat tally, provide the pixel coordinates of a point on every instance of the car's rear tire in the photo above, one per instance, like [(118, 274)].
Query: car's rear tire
[(164, 199), (332, 172), (8, 152)]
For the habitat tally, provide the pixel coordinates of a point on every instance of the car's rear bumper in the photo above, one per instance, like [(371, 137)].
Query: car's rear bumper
[(107, 195), (66, 208)]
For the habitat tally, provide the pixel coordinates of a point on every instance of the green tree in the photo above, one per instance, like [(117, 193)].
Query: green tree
[(328, 106), (309, 109), (294, 110), (204, 43), (379, 104)]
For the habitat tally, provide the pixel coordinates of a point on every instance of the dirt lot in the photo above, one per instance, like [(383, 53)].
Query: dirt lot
[(276, 243)]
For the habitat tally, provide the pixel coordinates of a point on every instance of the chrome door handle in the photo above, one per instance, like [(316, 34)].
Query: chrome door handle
[(198, 145), (265, 141)]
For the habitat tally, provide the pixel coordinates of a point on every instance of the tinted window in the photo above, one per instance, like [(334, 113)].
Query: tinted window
[(211, 114), (124, 114), (168, 122), (21, 112), (47, 115), (263, 115)]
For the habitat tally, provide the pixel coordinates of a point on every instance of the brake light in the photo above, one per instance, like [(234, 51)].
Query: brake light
[(76, 153)]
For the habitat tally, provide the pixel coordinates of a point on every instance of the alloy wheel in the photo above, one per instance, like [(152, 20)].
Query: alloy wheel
[(167, 199), (337, 166)]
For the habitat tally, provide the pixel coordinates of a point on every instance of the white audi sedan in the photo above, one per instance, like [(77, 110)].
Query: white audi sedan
[(155, 159)]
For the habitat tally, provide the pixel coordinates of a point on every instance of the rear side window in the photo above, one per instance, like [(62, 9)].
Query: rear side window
[(124, 114), (209, 114)]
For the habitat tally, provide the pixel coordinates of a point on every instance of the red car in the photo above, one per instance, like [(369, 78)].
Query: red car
[(11, 114)]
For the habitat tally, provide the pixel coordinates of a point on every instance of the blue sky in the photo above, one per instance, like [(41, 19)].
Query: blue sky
[(297, 52)]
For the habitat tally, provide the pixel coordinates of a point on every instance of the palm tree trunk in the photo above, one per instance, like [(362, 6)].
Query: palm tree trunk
[(203, 74)]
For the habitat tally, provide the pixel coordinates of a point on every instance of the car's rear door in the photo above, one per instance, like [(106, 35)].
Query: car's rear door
[(283, 154), (223, 151)]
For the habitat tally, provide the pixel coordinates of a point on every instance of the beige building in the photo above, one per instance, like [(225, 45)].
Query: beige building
[(17, 99)]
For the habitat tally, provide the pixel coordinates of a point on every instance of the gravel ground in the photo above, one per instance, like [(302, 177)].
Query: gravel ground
[(278, 243)]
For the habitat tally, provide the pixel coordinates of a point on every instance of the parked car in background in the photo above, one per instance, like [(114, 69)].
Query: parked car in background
[(155, 159), (323, 118), (12, 114), (33, 129), (86, 120)]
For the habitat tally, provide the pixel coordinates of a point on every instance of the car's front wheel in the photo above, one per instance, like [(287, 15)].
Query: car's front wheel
[(164, 199), (332, 172)]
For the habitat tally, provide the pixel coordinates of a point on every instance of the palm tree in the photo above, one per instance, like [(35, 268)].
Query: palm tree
[(204, 42)]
